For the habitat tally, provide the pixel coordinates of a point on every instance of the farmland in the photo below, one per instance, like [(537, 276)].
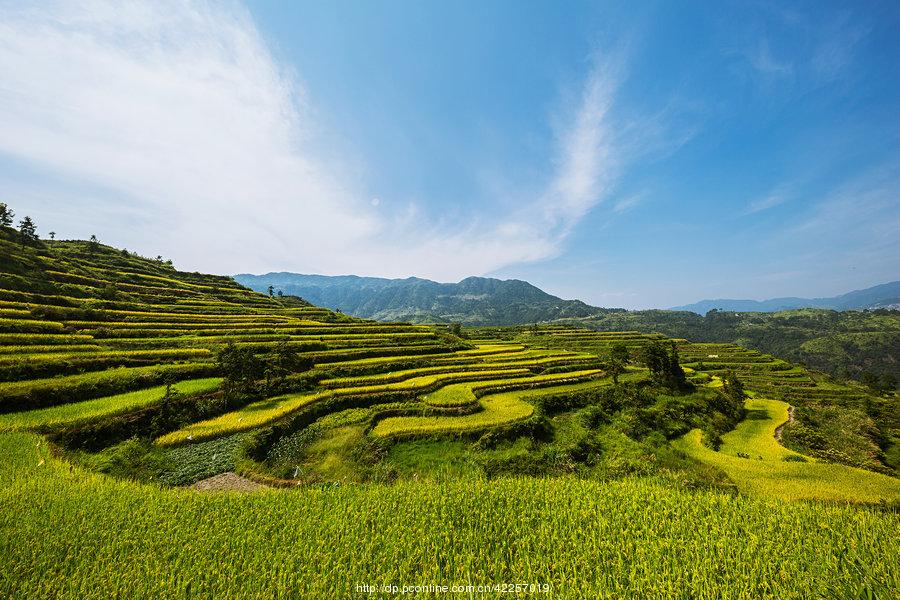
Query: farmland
[(403, 453)]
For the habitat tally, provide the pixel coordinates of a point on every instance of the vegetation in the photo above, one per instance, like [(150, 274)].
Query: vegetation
[(583, 538), (845, 344), (757, 463), (416, 454)]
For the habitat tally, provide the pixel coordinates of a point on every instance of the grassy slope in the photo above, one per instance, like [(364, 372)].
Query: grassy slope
[(766, 473), (828, 340), (586, 539)]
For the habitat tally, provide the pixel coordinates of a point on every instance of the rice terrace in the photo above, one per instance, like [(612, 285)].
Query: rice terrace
[(285, 343)]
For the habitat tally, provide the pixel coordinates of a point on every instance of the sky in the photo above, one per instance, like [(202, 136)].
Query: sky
[(644, 154)]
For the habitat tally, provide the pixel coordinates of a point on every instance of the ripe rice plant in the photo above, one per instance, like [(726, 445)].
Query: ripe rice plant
[(79, 412), (585, 539), (270, 410), (755, 461), (497, 409)]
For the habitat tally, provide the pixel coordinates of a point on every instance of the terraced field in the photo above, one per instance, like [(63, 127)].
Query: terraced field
[(113, 363), (100, 344)]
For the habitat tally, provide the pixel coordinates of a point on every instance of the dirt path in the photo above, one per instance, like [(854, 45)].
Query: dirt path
[(781, 427), (230, 482)]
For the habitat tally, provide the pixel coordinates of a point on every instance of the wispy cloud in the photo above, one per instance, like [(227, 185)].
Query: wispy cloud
[(170, 128), (776, 197), (179, 111), (766, 63), (629, 202)]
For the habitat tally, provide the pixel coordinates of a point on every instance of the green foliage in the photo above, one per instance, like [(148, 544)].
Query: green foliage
[(6, 215), (240, 368), (664, 366)]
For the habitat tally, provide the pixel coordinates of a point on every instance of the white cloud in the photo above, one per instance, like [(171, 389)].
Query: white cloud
[(169, 128), (629, 202), (179, 110), (776, 197), (763, 60)]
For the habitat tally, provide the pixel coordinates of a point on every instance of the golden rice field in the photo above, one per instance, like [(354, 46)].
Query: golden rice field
[(763, 470)]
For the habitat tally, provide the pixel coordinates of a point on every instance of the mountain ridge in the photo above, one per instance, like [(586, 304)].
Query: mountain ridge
[(471, 301), (885, 295)]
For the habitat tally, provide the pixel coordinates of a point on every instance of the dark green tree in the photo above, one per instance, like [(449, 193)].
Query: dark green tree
[(240, 368), (93, 244), (664, 366), (734, 388), (6, 215), (282, 362), (271, 291), (28, 231), (618, 359), (52, 235)]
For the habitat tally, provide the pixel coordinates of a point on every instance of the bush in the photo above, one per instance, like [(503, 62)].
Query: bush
[(794, 458)]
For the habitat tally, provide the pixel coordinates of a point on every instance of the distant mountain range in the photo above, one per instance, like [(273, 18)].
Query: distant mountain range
[(472, 301), (886, 295)]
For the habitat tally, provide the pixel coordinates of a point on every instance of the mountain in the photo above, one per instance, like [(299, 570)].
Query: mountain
[(886, 295), (472, 301)]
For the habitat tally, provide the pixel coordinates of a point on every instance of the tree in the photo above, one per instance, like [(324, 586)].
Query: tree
[(158, 258), (869, 379), (734, 388), (93, 244), (6, 215), (618, 359), (109, 292), (52, 235), (664, 366), (28, 231), (283, 361), (280, 294), (271, 291), (240, 368), (455, 329)]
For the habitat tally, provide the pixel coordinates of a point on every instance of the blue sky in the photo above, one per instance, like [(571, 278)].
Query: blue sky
[(638, 156)]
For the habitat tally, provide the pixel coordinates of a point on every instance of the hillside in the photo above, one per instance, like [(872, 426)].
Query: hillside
[(864, 345), (472, 301), (122, 377), (845, 343), (886, 295)]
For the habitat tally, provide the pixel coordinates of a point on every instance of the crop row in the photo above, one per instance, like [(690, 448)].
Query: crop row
[(39, 393), (270, 410), (80, 412)]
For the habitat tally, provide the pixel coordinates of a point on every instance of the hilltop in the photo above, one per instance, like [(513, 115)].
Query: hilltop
[(472, 301)]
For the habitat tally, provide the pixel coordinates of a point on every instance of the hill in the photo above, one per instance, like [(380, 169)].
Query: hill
[(861, 345), (864, 345), (411, 453), (886, 295), (472, 301)]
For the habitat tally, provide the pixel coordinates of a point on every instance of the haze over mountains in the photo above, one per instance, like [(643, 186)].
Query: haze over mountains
[(488, 301), (886, 295)]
